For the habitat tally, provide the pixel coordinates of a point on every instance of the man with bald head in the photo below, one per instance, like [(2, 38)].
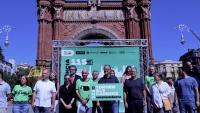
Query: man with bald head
[(44, 93), (83, 91)]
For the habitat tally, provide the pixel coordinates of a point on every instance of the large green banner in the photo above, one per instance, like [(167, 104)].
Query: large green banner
[(95, 57)]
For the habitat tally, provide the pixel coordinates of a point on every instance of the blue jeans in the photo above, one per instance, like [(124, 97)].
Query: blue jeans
[(3, 110), (187, 107), (83, 108), (20, 108), (38, 109), (149, 106), (115, 106)]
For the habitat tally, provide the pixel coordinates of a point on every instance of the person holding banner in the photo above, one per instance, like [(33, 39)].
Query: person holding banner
[(83, 91), (67, 94), (96, 104), (134, 93), (109, 106)]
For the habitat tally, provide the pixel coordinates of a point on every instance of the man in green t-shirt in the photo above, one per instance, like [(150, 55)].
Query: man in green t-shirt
[(83, 91), (149, 81)]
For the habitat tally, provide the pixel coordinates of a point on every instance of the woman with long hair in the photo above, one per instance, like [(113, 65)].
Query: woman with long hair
[(127, 74), (21, 94)]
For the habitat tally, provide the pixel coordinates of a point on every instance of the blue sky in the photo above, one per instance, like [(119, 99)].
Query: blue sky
[(166, 14), (21, 14)]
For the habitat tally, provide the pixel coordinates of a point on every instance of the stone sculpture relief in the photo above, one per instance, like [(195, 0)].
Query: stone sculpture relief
[(42, 11), (78, 15), (57, 12)]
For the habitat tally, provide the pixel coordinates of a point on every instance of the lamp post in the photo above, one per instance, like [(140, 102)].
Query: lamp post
[(6, 29), (183, 27)]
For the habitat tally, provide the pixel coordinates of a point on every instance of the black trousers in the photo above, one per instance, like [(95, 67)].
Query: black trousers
[(95, 107), (135, 106)]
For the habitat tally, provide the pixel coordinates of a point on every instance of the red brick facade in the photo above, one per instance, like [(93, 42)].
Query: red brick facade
[(61, 20)]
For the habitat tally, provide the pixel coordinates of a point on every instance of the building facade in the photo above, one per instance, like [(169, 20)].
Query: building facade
[(193, 55), (168, 68), (90, 19), (6, 67)]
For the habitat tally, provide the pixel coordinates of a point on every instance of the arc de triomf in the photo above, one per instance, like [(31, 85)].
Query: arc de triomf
[(90, 19)]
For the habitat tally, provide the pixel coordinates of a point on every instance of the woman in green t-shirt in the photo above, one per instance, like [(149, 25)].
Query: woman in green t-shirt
[(21, 94)]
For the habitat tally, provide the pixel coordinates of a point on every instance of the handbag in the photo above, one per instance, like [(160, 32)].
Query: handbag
[(166, 104)]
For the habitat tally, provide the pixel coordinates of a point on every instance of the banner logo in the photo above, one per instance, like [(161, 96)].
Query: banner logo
[(67, 53)]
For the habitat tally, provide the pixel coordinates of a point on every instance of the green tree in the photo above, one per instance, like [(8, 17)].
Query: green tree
[(1, 54), (12, 80), (25, 71), (22, 71)]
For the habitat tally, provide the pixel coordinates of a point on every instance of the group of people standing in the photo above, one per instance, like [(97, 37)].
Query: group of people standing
[(169, 97), (141, 95), (75, 94), (134, 92), (21, 94), (42, 97)]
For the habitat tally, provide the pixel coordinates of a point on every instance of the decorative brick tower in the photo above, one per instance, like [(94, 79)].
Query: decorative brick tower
[(90, 19)]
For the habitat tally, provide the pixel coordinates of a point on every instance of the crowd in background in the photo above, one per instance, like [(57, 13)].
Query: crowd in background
[(169, 96), (149, 94)]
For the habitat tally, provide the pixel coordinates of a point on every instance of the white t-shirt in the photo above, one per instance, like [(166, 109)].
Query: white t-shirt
[(4, 90), (43, 91)]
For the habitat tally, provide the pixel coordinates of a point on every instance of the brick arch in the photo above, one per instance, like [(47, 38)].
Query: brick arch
[(102, 32)]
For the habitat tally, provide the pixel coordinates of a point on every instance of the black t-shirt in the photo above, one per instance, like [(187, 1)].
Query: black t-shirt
[(134, 89), (111, 79)]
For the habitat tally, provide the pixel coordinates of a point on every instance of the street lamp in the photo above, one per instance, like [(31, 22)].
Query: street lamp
[(6, 29), (183, 27)]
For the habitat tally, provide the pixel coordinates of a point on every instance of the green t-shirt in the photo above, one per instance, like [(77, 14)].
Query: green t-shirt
[(149, 80), (85, 89), (21, 93)]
